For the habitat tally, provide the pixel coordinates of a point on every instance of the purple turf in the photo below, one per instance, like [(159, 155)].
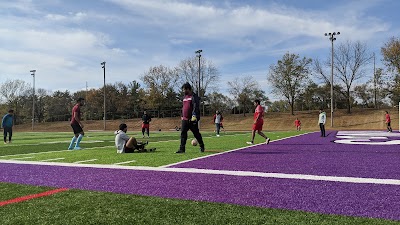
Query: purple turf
[(295, 155), (310, 154), (377, 201)]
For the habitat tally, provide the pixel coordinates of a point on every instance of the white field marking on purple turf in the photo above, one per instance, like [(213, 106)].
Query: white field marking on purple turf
[(321, 157)]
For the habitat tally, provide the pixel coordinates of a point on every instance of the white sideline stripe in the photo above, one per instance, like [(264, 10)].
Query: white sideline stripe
[(89, 160), (48, 160), (121, 163), (28, 157), (358, 180), (233, 150)]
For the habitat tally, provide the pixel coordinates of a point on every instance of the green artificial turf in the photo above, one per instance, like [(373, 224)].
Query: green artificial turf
[(104, 152), (89, 207)]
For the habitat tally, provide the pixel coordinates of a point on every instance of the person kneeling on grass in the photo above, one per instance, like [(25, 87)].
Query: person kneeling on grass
[(125, 144)]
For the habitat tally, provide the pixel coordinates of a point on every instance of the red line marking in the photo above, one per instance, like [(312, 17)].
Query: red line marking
[(28, 197)]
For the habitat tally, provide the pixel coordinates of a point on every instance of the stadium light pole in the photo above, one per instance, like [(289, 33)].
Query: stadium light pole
[(104, 90), (332, 39), (33, 99), (198, 52)]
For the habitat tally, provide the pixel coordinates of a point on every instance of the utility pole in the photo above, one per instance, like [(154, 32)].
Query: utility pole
[(375, 81), (33, 99), (332, 39), (104, 90), (198, 52)]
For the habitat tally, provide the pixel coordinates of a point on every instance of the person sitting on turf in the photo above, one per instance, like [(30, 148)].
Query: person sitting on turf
[(126, 144)]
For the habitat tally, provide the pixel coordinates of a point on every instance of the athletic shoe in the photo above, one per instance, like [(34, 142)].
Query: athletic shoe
[(70, 148), (202, 149), (5, 143), (250, 143), (217, 135), (267, 141), (180, 151), (77, 148)]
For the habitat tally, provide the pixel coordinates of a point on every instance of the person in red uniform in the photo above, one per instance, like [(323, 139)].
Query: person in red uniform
[(389, 128), (190, 118), (258, 123), (297, 123), (77, 125)]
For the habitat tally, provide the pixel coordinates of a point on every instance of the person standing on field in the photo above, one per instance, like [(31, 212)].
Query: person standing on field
[(146, 124), (258, 123), (218, 121), (297, 123), (7, 124), (387, 121), (77, 125), (190, 118), (321, 122)]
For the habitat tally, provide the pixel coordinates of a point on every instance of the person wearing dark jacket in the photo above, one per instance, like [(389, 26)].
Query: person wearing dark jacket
[(146, 124), (190, 118), (7, 123)]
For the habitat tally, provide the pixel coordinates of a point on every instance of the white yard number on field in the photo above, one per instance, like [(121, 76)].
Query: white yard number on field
[(367, 138)]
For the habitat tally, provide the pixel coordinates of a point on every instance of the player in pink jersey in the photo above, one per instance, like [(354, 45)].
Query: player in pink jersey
[(387, 121)]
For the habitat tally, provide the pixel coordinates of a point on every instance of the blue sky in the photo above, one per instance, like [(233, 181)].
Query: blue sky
[(65, 40)]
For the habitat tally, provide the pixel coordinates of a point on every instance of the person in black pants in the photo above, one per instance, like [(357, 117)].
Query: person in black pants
[(321, 122), (146, 124), (7, 123), (190, 118)]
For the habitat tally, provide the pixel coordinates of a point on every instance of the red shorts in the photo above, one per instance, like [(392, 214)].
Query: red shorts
[(258, 126), (145, 126)]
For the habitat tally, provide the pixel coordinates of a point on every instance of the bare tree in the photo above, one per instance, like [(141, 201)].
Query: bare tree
[(188, 70), (289, 76), (245, 90), (11, 90), (350, 58)]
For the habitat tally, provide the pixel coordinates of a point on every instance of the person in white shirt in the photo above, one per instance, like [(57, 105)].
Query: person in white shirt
[(126, 144), (218, 120), (321, 122)]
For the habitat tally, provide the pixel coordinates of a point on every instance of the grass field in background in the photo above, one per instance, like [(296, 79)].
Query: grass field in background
[(90, 207), (100, 146)]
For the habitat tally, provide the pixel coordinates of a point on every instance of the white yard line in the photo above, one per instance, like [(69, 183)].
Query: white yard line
[(48, 160), (206, 156), (121, 163), (89, 160), (358, 180), (35, 153), (110, 146), (45, 143), (28, 157)]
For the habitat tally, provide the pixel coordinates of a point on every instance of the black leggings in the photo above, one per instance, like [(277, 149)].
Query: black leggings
[(194, 127), (7, 130), (322, 128)]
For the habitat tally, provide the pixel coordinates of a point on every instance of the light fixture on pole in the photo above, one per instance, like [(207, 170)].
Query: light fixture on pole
[(33, 99), (104, 90), (198, 52), (332, 39)]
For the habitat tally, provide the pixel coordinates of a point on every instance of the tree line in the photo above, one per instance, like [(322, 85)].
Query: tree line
[(300, 83)]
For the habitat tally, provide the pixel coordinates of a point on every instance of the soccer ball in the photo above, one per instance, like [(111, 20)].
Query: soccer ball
[(194, 142)]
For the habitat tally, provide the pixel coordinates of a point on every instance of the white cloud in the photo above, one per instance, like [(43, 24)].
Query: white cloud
[(66, 47)]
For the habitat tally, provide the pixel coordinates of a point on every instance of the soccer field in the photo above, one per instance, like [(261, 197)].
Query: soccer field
[(297, 180), (98, 147)]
